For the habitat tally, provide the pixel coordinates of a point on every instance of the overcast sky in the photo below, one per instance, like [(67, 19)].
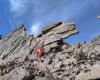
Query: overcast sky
[(36, 14)]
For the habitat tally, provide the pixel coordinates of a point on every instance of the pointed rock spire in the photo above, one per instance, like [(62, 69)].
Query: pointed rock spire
[(21, 27)]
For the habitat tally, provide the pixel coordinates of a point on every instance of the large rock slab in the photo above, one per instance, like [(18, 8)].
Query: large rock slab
[(92, 74), (17, 51)]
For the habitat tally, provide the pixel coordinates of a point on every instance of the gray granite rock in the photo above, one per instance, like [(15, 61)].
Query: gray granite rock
[(19, 59)]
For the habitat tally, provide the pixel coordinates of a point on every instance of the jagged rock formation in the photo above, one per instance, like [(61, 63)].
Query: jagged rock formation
[(19, 61)]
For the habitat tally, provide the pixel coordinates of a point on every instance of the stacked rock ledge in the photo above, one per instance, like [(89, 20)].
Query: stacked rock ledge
[(19, 60)]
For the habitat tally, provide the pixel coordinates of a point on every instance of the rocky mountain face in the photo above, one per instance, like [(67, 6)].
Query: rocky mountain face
[(47, 57)]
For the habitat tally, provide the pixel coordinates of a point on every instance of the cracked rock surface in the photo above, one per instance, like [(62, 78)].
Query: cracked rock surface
[(19, 61)]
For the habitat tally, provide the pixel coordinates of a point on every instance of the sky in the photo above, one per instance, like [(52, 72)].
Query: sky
[(36, 14)]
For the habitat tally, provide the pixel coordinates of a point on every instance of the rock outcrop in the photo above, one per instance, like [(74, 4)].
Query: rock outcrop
[(60, 61)]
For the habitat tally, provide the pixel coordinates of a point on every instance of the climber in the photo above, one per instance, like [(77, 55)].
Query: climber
[(39, 51)]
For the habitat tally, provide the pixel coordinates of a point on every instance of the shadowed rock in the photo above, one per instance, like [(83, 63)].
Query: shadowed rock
[(0, 36), (98, 17)]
